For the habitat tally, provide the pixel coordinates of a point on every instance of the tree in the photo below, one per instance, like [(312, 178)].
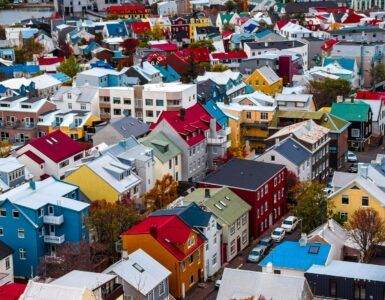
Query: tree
[(156, 32), (5, 148), (25, 53), (230, 6), (292, 181), (311, 204), (219, 68), (326, 91), (2, 33), (366, 229), (378, 73), (66, 49), (129, 46), (69, 66), (163, 193), (203, 44), (107, 221)]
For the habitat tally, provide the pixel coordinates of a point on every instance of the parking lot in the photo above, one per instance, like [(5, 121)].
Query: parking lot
[(207, 291)]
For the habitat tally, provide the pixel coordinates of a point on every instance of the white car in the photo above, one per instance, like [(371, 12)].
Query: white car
[(352, 157), (290, 223), (278, 234)]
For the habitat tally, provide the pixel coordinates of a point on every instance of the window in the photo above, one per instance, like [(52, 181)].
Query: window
[(3, 212), (64, 163), (159, 102), (22, 254), (248, 114), (266, 189), (50, 210), (7, 263), (1, 231), (127, 101), (116, 100), (343, 216), (15, 213), (170, 164), (264, 116), (214, 259), (359, 291), (355, 133), (275, 181), (176, 160), (149, 113), (117, 111), (191, 241), (238, 223), (365, 201), (272, 157), (192, 279), (232, 229), (21, 233), (232, 247), (244, 236), (333, 288), (78, 156), (83, 107), (345, 199), (244, 219), (149, 102), (161, 288)]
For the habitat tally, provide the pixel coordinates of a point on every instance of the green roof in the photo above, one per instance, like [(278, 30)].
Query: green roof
[(226, 17), (164, 149), (296, 114), (223, 203), (334, 123), (356, 111)]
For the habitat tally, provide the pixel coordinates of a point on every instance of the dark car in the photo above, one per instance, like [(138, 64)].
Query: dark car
[(353, 168), (266, 241)]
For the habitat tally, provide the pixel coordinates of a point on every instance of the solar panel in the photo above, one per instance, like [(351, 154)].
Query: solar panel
[(314, 249)]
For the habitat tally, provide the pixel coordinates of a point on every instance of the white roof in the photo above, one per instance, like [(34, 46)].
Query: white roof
[(166, 87), (220, 78), (83, 279), (268, 73), (244, 284), (294, 28), (9, 164), (15, 104), (41, 82), (375, 105), (341, 179), (140, 271), (100, 72), (349, 269), (48, 291), (294, 97)]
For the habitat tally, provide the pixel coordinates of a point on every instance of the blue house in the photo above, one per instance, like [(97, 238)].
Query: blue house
[(19, 70), (102, 77), (168, 73), (213, 109), (295, 258), (36, 217), (7, 54), (118, 29)]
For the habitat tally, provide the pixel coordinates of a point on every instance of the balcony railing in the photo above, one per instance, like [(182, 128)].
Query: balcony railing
[(116, 292), (54, 220), (53, 239), (216, 141)]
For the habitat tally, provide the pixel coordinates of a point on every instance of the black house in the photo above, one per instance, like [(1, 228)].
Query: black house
[(347, 280)]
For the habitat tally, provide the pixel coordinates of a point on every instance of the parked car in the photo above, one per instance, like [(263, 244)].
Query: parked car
[(351, 157), (290, 223), (256, 253), (267, 242), (353, 168), (278, 234), (218, 283)]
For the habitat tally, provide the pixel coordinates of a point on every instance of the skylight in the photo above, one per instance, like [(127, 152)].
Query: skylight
[(138, 267), (223, 203), (218, 206), (314, 249)]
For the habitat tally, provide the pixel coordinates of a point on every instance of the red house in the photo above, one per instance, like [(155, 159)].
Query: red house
[(261, 185)]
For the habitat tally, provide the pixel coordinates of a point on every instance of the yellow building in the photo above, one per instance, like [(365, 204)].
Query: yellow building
[(196, 22), (72, 123), (265, 80), (249, 118), (361, 190)]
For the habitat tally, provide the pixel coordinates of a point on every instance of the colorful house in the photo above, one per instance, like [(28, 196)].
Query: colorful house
[(196, 22), (128, 11), (265, 80), (174, 244)]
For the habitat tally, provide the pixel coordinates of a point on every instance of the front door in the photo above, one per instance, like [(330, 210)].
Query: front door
[(51, 229)]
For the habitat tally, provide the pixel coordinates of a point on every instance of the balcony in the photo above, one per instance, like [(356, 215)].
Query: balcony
[(53, 239), (54, 220), (104, 104), (115, 293), (216, 141)]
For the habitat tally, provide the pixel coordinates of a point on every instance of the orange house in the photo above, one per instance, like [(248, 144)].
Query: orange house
[(172, 243)]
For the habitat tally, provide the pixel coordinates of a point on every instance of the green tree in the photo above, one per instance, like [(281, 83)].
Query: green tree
[(156, 32), (107, 220), (326, 91), (69, 66), (4, 4), (219, 68), (378, 73), (203, 44), (26, 52), (230, 6), (311, 204)]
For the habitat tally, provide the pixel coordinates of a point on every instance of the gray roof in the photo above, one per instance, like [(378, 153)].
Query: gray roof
[(128, 126), (86, 93), (275, 45), (293, 151), (243, 173), (349, 269)]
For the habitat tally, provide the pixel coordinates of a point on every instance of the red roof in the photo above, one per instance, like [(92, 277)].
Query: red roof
[(57, 146), (367, 95), (281, 23), (198, 54), (192, 126), (169, 231), (126, 9), (339, 10), (12, 291), (168, 47), (34, 157), (226, 33), (328, 44), (140, 27), (49, 60), (236, 54), (177, 63), (352, 18)]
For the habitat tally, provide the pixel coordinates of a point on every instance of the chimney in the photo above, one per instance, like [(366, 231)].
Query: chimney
[(32, 184), (269, 268), (340, 98), (182, 113), (303, 240), (266, 44), (153, 231), (362, 170), (213, 128), (207, 193)]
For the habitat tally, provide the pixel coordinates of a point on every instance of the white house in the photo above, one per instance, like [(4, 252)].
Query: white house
[(6, 263), (295, 102), (53, 154)]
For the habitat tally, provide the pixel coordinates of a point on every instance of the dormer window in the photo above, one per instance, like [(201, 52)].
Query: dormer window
[(191, 241), (69, 96)]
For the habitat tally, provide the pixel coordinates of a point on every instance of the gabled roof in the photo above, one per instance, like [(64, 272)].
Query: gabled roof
[(116, 29), (83, 279), (129, 126), (140, 27), (356, 111), (268, 73), (346, 63), (369, 95), (169, 231), (57, 146), (243, 173), (197, 54), (168, 73), (293, 151), (12, 291), (164, 149), (216, 112), (129, 8), (34, 157), (334, 123), (49, 60), (235, 54)]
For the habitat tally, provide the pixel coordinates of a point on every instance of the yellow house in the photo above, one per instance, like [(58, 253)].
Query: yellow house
[(249, 118), (106, 178), (196, 22), (265, 80), (359, 191), (72, 123)]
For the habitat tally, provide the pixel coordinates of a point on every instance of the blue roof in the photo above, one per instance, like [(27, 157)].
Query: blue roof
[(250, 27), (346, 63), (9, 70), (263, 33), (91, 46), (61, 77), (3, 89), (8, 51), (29, 33), (293, 151), (101, 64), (236, 38), (168, 73), (290, 255), (116, 29), (213, 109), (118, 54), (249, 89)]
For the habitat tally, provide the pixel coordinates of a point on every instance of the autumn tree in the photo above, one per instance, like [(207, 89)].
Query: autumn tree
[(163, 193), (129, 46), (5, 148), (69, 66), (66, 49), (203, 44), (107, 220), (378, 73), (219, 68), (25, 53), (366, 229), (311, 204), (230, 6), (326, 91), (156, 33)]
